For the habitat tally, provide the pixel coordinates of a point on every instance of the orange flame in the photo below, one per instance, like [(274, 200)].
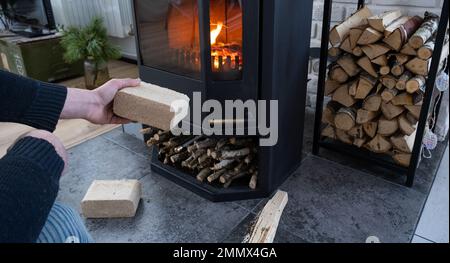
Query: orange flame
[(216, 32)]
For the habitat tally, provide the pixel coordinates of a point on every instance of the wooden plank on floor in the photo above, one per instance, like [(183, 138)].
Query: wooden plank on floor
[(70, 132), (266, 226)]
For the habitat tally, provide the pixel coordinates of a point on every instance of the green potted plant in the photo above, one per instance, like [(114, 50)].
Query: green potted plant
[(92, 45)]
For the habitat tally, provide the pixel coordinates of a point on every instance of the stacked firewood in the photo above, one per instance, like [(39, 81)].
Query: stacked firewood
[(217, 161), (376, 81)]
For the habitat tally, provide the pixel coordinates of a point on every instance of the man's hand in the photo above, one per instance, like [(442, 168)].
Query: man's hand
[(96, 106), (49, 137)]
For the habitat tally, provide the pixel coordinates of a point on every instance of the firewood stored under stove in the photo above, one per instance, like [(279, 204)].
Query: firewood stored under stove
[(222, 162)]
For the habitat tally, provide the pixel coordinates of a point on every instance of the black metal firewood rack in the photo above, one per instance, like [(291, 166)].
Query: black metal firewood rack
[(362, 154)]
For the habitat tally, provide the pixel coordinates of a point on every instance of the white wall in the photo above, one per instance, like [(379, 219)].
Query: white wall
[(112, 16)]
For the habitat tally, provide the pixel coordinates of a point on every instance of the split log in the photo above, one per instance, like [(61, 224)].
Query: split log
[(403, 99), (375, 50), (348, 64), (400, 36), (185, 145), (357, 132), (216, 175), (380, 22), (395, 25), (329, 113), (418, 66), (179, 157), (385, 70), (414, 110), (163, 136), (367, 65), (334, 52), (426, 51), (381, 60), (401, 83), (366, 84), (152, 142), (198, 153), (355, 34), (425, 31), (370, 36), (417, 98), (329, 132), (359, 142), (186, 163), (405, 126), (403, 159), (379, 144), (222, 143), (353, 88), (364, 116), (201, 177), (372, 102), (389, 81), (223, 164), (200, 145), (342, 96), (387, 127), (370, 128), (411, 118), (253, 181), (389, 94), (408, 50), (399, 58), (404, 143), (266, 225), (415, 84), (345, 119), (235, 154), (331, 86), (390, 111), (240, 167), (346, 45), (339, 32), (203, 159), (357, 51), (338, 74), (344, 137), (397, 69)]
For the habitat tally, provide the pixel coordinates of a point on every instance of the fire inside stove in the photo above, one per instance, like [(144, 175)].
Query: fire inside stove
[(170, 37), (226, 39)]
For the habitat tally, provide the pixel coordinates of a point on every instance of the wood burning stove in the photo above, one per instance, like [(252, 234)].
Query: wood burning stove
[(231, 50)]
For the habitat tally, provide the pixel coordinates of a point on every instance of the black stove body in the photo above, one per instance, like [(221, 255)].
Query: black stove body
[(232, 50)]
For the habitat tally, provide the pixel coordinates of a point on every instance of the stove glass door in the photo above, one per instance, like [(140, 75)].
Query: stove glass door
[(226, 39), (169, 36)]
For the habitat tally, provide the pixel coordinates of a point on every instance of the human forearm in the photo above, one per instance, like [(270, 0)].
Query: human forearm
[(96, 106), (30, 102), (29, 182)]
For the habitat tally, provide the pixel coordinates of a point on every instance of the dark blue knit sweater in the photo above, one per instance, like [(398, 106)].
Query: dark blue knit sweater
[(30, 171)]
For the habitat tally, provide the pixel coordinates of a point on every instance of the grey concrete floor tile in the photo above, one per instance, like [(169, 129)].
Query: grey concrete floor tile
[(98, 159), (434, 223), (239, 232), (420, 240), (129, 142), (169, 213), (339, 204)]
